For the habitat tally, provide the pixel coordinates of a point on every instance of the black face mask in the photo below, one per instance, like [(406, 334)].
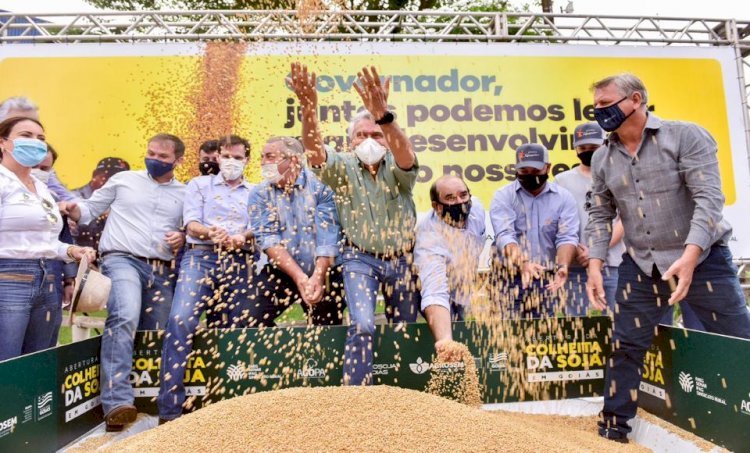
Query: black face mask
[(610, 118), (454, 214), (209, 168), (585, 157), (531, 182)]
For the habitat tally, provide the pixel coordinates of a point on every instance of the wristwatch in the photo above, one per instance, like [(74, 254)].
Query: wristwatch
[(386, 119)]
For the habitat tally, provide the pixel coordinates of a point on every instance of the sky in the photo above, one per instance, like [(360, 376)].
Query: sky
[(709, 9)]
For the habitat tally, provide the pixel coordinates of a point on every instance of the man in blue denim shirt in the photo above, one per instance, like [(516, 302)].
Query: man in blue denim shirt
[(296, 224), (536, 232), (215, 271)]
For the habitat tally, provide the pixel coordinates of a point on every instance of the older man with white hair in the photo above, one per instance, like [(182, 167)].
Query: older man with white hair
[(373, 187)]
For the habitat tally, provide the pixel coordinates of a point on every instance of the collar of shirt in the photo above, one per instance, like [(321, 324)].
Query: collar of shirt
[(168, 183), (299, 183), (653, 123), (218, 180)]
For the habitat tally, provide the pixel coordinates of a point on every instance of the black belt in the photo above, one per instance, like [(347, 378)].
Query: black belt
[(150, 261)]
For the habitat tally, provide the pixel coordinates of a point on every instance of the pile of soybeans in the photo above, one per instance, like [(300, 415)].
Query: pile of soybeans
[(364, 419)]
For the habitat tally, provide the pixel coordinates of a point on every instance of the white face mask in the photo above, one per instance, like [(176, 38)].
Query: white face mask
[(231, 169), (41, 175), (270, 172), (370, 152)]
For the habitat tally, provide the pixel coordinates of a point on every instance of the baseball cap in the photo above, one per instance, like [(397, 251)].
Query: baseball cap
[(111, 166), (588, 134), (532, 155)]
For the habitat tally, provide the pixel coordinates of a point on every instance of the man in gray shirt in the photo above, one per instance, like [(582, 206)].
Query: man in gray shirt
[(663, 179), (137, 248)]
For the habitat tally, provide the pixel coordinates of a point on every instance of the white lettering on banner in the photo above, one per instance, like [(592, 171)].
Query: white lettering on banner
[(150, 392), (566, 375), (8, 426), (653, 390), (310, 370), (701, 387), (745, 407), (82, 408), (382, 369)]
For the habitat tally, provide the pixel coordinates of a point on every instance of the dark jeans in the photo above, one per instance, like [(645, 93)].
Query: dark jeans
[(223, 289), (30, 311), (721, 307), (277, 291)]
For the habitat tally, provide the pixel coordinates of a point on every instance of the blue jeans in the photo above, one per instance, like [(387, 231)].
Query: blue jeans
[(721, 306), (140, 299), (30, 311), (577, 303), (689, 319), (221, 288), (364, 275)]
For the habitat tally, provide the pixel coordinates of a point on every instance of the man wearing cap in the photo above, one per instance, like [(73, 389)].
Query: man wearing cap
[(587, 138), (536, 233), (216, 270), (663, 178), (449, 242), (89, 235), (372, 187), (137, 249)]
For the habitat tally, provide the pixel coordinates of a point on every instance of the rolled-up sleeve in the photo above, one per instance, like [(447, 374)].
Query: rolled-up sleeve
[(265, 221), (327, 226), (100, 201), (503, 217), (602, 211), (192, 207), (699, 166), (569, 224), (431, 261)]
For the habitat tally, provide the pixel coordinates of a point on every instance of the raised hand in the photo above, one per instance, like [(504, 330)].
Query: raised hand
[(303, 83), (374, 94)]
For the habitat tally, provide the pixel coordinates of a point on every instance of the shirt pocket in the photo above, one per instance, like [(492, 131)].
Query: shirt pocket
[(550, 227)]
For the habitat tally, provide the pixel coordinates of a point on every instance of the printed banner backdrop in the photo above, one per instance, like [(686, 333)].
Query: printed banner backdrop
[(53, 397), (699, 382), (465, 107)]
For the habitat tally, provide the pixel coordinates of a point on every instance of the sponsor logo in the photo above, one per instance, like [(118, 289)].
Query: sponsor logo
[(310, 370), (498, 361), (382, 369), (420, 366), (689, 382), (44, 405), (239, 371), (745, 406), (8, 426), (686, 382)]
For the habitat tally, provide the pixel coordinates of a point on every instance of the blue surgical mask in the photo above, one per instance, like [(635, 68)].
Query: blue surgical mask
[(611, 117), (157, 168), (29, 152)]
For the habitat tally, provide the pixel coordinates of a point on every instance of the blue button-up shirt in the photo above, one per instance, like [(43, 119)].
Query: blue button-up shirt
[(447, 257), (210, 201), (304, 220), (538, 224)]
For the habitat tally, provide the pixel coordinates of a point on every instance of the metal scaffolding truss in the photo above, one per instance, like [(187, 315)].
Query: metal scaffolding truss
[(371, 25)]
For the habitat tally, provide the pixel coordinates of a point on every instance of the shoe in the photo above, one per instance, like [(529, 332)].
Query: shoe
[(613, 435), (120, 416), (163, 421)]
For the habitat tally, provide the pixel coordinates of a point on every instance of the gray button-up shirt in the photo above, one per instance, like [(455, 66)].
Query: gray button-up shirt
[(142, 211), (668, 194)]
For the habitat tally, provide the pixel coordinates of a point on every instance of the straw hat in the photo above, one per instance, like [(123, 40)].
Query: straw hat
[(90, 290)]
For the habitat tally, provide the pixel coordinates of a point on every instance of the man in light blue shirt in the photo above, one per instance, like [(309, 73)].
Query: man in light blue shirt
[(137, 249), (216, 270), (296, 225), (536, 233), (449, 242)]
